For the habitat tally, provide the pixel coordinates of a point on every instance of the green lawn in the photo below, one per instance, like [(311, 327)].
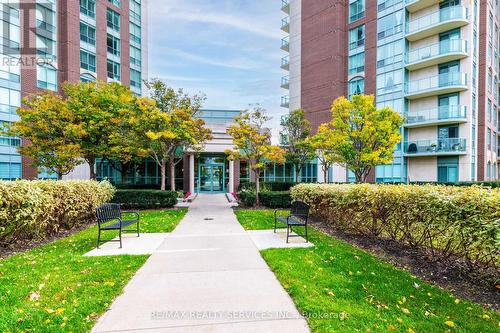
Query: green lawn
[(337, 280), (53, 288)]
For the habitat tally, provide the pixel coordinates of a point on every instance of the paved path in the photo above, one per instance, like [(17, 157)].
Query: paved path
[(209, 277)]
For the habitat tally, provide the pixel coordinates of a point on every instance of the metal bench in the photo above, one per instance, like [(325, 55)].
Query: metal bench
[(110, 217), (298, 217)]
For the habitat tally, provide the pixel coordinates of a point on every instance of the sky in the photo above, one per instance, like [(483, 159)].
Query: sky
[(228, 50)]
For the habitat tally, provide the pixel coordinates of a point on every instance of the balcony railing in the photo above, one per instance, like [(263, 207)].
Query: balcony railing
[(45, 26), (285, 6), (356, 44), (442, 114), (285, 82), (285, 63), (415, 5), (442, 49), (437, 83), (285, 43), (285, 24), (437, 18), (285, 101), (448, 146)]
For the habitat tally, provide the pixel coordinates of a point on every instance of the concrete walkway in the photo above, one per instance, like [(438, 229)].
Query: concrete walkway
[(208, 277)]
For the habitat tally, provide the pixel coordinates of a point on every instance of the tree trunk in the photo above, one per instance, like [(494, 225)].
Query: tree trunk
[(297, 174), (257, 188), (325, 174), (59, 176), (172, 174), (163, 171), (91, 162)]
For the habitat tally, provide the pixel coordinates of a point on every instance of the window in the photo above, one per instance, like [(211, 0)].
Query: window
[(384, 4), (390, 25), (11, 34), (135, 56), (115, 2), (113, 45), (356, 37), (357, 63), (135, 10), (45, 19), (356, 10), (113, 20), (87, 33), (448, 169), (87, 61), (490, 111), (10, 100), (85, 77), (46, 76), (10, 69), (135, 33), (113, 70), (390, 82), (390, 53), (10, 171), (490, 81), (135, 78), (87, 7), (488, 171), (45, 47), (489, 139), (356, 86)]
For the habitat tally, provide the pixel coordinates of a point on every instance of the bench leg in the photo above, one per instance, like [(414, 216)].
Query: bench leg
[(120, 238), (137, 228), (98, 238), (275, 225), (307, 238), (288, 228)]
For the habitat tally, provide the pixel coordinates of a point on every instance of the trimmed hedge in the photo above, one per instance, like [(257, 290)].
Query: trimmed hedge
[(145, 199), (36, 209), (448, 222), (276, 199), (267, 186)]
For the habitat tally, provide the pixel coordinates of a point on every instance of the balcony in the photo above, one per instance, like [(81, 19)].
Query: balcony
[(435, 54), (285, 82), (436, 85), (416, 5), (450, 114), (437, 22), (285, 24), (285, 6), (285, 101), (451, 146), (285, 63), (285, 44)]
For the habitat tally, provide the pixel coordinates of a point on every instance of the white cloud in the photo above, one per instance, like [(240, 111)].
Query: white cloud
[(236, 63)]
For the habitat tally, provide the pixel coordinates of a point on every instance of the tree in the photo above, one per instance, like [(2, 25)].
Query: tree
[(326, 157), (101, 112), (172, 126), (360, 135), (252, 141), (295, 138), (44, 122)]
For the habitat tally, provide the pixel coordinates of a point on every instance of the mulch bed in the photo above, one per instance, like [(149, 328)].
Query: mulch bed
[(445, 274)]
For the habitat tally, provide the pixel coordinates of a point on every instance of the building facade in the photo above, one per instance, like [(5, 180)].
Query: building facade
[(48, 42), (435, 62)]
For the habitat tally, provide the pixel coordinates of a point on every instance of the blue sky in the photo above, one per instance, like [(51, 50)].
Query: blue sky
[(226, 49)]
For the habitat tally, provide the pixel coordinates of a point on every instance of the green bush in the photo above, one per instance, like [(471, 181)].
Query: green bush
[(276, 199), (36, 209), (248, 198), (448, 222), (145, 199), (267, 186)]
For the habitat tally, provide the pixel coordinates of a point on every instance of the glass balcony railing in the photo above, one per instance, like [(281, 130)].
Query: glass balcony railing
[(436, 50), (435, 18), (285, 101), (285, 62), (443, 113), (285, 24), (285, 6), (447, 146), (285, 43), (45, 26), (437, 82)]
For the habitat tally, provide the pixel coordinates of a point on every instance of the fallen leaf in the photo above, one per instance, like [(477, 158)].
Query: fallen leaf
[(449, 323), (405, 310), (59, 311), (34, 296), (410, 330), (457, 301)]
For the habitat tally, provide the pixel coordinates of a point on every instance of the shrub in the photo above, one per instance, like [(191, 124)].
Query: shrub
[(276, 199), (145, 199), (446, 221), (248, 198), (267, 186), (36, 209)]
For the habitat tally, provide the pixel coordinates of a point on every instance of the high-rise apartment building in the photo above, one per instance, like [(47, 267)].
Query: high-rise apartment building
[(436, 62), (48, 42)]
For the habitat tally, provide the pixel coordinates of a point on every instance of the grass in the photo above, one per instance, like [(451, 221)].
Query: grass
[(357, 292), (53, 288)]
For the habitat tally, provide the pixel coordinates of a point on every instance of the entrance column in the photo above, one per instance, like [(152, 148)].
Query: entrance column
[(231, 177), (191, 173)]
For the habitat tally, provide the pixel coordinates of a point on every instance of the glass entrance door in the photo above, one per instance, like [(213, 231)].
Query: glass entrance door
[(212, 178)]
